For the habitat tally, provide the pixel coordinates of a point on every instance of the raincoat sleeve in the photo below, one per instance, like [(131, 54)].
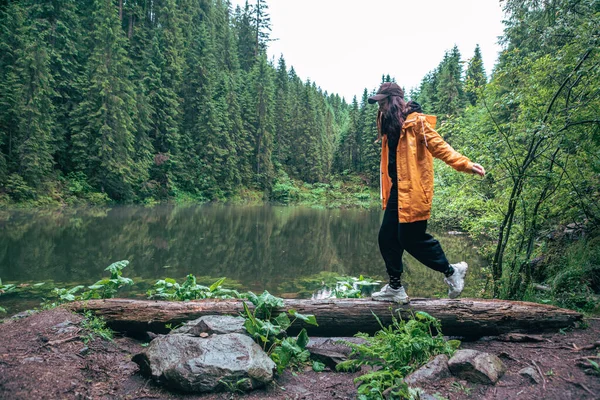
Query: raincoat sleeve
[(442, 150)]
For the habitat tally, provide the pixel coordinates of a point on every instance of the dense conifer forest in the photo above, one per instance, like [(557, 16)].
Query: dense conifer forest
[(137, 101)]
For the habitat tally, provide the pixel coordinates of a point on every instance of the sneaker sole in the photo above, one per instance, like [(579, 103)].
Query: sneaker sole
[(392, 300), (463, 278)]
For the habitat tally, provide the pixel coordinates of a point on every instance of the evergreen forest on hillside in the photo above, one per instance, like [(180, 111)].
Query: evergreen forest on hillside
[(141, 101)]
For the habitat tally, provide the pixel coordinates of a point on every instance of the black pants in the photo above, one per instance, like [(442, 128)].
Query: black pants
[(395, 237)]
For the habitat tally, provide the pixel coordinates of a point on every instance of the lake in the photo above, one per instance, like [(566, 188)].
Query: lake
[(289, 251)]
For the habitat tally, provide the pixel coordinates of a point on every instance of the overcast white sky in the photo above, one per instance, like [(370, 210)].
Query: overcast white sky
[(346, 45)]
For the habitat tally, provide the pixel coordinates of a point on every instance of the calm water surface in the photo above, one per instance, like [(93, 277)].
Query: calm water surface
[(285, 250)]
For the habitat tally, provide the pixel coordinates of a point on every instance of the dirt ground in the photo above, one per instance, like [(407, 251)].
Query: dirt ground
[(43, 356)]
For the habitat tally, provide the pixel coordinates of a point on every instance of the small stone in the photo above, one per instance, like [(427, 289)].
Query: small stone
[(433, 371), (33, 359), (476, 366), (531, 373), (204, 334), (84, 350)]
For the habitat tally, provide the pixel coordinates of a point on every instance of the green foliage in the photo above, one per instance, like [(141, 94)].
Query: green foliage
[(107, 288), (60, 296), (5, 289), (284, 191), (537, 143), (318, 366), (573, 274), (595, 366), (350, 192), (461, 389), (169, 289), (18, 189), (98, 96), (475, 78), (95, 327), (396, 351), (269, 331), (575, 277)]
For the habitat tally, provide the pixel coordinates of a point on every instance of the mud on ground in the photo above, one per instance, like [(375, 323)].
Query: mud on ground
[(43, 356)]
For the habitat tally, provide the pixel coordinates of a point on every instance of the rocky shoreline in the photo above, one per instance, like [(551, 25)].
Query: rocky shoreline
[(44, 356)]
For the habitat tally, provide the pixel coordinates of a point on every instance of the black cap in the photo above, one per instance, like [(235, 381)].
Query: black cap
[(387, 89)]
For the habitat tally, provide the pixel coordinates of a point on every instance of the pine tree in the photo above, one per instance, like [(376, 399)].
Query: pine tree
[(11, 44), (475, 77), (103, 139), (262, 26), (34, 111), (262, 85), (450, 91), (347, 153), (369, 148), (36, 119), (282, 142), (426, 96), (60, 24), (246, 37)]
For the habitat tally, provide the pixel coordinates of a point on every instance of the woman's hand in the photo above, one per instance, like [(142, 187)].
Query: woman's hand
[(478, 169)]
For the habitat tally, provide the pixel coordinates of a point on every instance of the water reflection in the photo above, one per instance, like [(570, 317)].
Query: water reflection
[(281, 249)]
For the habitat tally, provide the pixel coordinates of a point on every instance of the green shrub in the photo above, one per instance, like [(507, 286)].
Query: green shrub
[(108, 287), (18, 189), (169, 289), (269, 331), (284, 193), (394, 352), (95, 327), (575, 276)]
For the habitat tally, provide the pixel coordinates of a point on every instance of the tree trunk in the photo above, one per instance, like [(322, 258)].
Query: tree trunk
[(343, 317)]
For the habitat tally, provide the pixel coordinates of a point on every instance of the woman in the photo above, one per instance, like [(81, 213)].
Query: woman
[(409, 143)]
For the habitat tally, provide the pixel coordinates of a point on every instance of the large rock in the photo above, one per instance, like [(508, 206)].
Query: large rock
[(476, 366), (219, 324), (433, 371), (193, 364)]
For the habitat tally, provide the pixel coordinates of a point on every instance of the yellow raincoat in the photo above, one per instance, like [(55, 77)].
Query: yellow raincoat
[(417, 146)]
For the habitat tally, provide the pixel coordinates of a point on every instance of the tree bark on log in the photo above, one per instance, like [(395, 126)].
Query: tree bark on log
[(469, 318)]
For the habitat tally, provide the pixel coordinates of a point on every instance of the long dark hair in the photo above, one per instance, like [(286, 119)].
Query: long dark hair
[(391, 116)]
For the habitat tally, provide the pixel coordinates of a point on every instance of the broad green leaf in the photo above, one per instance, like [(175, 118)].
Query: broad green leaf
[(76, 289), (302, 339), (291, 346), (117, 266), (309, 318), (283, 321), (216, 284), (269, 300), (250, 327)]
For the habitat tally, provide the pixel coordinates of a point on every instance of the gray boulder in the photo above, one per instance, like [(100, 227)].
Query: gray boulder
[(192, 364), (476, 366), (531, 373), (434, 370), (219, 324)]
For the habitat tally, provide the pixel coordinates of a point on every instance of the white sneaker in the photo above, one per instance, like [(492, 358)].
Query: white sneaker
[(388, 294), (456, 281)]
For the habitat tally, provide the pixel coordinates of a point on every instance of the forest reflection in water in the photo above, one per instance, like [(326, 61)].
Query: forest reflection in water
[(288, 251)]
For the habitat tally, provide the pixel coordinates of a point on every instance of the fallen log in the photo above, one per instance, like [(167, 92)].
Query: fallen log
[(469, 318)]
